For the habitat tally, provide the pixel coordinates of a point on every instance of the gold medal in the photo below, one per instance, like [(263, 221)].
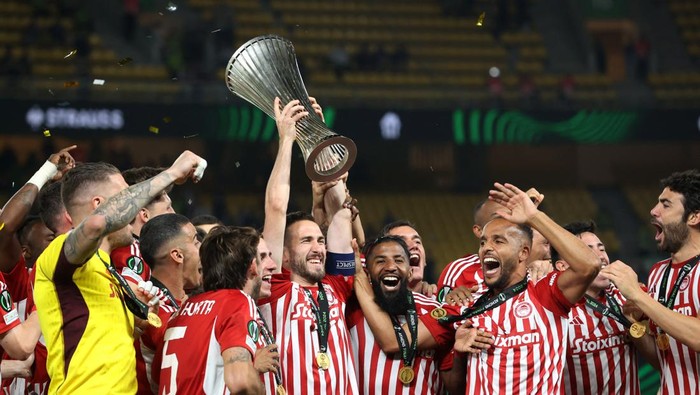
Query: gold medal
[(154, 320), (638, 330), (662, 342), (280, 390), (438, 313), (406, 374), (323, 361)]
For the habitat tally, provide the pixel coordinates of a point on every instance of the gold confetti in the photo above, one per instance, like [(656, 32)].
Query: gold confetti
[(125, 61), (480, 21), (71, 53), (153, 129), (167, 119), (2, 225), (47, 133), (71, 84)]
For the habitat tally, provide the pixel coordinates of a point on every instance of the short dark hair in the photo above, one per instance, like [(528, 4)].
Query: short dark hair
[(369, 247), (206, 219), (294, 217), (226, 254), (388, 227), (81, 177), (26, 227), (139, 174), (51, 205), (524, 229), (136, 175), (687, 183), (577, 228), (157, 232)]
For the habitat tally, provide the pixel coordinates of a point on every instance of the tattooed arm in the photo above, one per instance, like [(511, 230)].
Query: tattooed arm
[(121, 209), (18, 207), (240, 374)]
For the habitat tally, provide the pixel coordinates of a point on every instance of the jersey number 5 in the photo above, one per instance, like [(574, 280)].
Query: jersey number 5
[(170, 360)]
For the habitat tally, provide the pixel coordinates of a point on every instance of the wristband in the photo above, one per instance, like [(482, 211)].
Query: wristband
[(44, 174)]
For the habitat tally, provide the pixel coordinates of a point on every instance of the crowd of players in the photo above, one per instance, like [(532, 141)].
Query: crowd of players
[(106, 290)]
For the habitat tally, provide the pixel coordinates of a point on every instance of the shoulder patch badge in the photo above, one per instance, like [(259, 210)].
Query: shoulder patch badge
[(135, 263)]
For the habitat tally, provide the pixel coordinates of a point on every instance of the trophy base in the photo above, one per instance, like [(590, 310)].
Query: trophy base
[(331, 158)]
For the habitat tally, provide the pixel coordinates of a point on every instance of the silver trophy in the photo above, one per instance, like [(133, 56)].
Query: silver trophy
[(266, 67)]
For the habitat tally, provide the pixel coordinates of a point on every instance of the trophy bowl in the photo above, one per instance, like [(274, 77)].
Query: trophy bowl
[(266, 67)]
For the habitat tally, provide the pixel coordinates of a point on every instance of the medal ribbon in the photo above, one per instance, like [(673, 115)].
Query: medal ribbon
[(614, 311), (484, 304), (407, 352), (322, 317), (677, 285), (137, 307), (268, 339)]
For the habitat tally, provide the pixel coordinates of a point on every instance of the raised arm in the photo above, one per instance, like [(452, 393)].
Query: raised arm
[(240, 375), (18, 207), (121, 208), (277, 192), (584, 263)]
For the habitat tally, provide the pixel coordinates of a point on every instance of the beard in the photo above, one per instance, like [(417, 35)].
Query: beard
[(255, 291), (675, 235), (300, 268), (507, 270), (120, 238), (393, 304)]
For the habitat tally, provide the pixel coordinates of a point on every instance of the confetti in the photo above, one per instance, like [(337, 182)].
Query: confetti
[(2, 225), (190, 136), (189, 201), (153, 129), (160, 13), (431, 168), (98, 81), (174, 78), (51, 92), (71, 84), (125, 61), (13, 184), (71, 53), (47, 133), (480, 21), (172, 7), (238, 164), (216, 31), (167, 119)]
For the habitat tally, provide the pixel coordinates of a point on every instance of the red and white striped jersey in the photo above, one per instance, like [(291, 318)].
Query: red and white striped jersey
[(601, 358), (378, 373), (680, 365), (206, 325), (289, 312), (20, 284), (130, 256), (465, 271), (530, 332), (147, 345)]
